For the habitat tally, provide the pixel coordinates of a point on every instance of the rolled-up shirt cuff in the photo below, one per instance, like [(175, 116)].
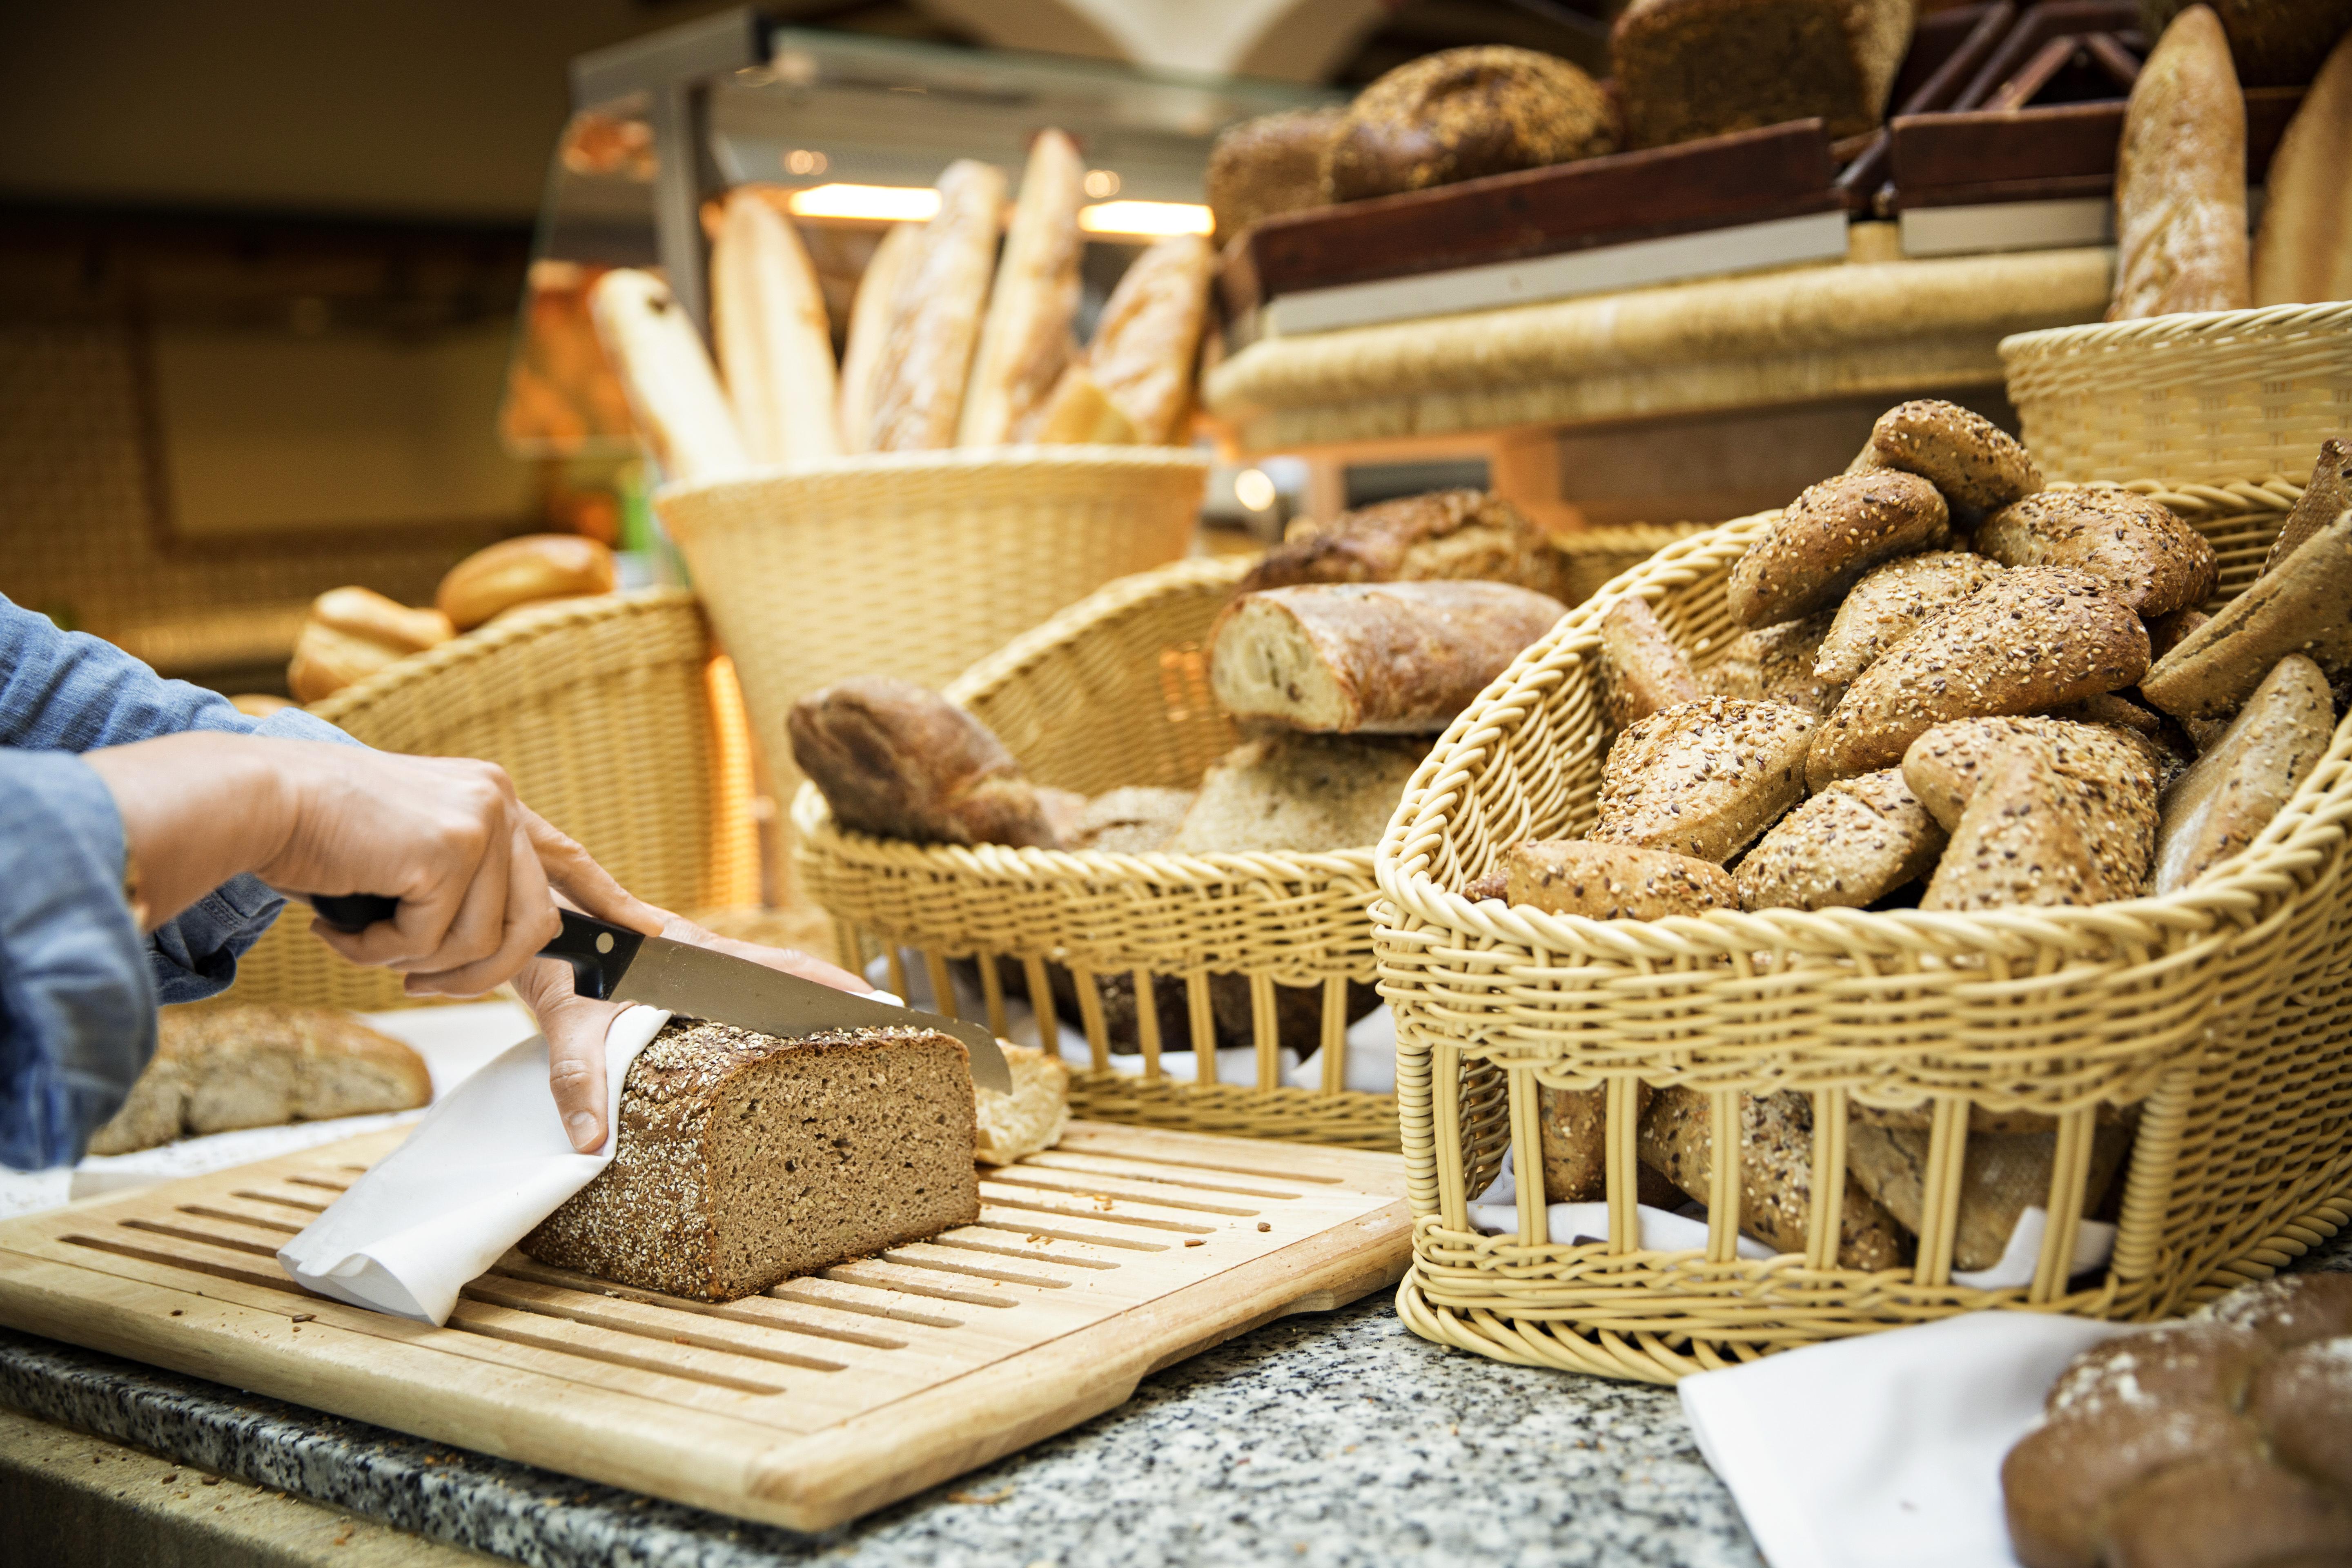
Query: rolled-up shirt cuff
[(73, 965)]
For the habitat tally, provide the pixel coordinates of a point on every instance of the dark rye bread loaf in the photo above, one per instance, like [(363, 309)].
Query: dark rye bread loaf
[(1461, 113), (744, 1160)]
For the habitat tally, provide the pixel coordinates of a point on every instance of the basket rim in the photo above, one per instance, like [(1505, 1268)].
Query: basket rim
[(1076, 458), (2184, 328), (2234, 892)]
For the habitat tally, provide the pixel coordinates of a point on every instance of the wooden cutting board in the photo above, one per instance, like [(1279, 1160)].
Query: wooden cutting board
[(1118, 1253)]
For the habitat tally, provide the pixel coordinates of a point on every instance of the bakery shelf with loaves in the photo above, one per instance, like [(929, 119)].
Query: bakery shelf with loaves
[(2216, 1016), (2206, 399), (1113, 692)]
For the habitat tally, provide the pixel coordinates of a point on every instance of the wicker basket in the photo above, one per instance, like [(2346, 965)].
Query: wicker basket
[(1115, 691), (917, 563), (2206, 397), (1595, 556), (616, 723), (2222, 1011)]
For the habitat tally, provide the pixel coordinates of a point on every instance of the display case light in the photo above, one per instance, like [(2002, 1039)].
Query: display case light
[(876, 203), (1146, 218)]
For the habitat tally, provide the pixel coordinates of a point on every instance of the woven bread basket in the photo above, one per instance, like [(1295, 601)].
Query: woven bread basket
[(616, 723), (2222, 1011), (2208, 397), (1115, 691)]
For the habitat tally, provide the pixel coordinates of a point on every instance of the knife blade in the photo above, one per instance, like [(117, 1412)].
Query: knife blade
[(614, 963)]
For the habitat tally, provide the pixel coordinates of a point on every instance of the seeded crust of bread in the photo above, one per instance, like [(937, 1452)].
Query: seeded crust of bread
[(1944, 765), (899, 760), (1704, 778), (2035, 833), (1831, 535), (1641, 669), (1776, 1149), (1574, 1135), (1301, 792), (1461, 113), (2325, 496), (219, 1068), (1613, 881), (2180, 179), (743, 1160), (1008, 1127), (1977, 465), (2222, 803), (2155, 563), (1461, 533), (1919, 1119), (1269, 165), (2304, 604), (2112, 709), (2033, 637), (2000, 1176), (1891, 602), (1776, 664), (1688, 68), (1846, 848), (1376, 658), (1137, 819)]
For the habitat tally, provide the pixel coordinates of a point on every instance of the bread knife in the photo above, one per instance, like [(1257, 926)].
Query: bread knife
[(614, 963)]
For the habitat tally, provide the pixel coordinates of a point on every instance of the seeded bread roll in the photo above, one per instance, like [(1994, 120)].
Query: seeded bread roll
[(1149, 337), (1688, 68), (1776, 1156), (2325, 496), (2114, 711), (1704, 778), (899, 762), (2035, 636), (1461, 113), (2304, 604), (741, 1160), (1378, 658), (1944, 767), (1269, 165), (1010, 1127), (2035, 833), (2001, 1174), (494, 580), (1574, 1131), (1459, 533), (1301, 792), (1828, 537), (1891, 602), (1025, 343), (935, 315), (2302, 252), (2222, 804), (1975, 464), (1777, 664), (2180, 179), (1613, 881), (2152, 561), (1642, 670), (1846, 848)]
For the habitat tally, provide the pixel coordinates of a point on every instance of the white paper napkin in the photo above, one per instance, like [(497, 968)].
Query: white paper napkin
[(1887, 1448), (485, 1165)]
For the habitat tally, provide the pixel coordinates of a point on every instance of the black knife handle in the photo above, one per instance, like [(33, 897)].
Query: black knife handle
[(598, 952), (353, 912)]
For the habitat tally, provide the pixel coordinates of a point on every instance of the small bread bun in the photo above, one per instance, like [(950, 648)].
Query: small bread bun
[(519, 571), (326, 660), (364, 612)]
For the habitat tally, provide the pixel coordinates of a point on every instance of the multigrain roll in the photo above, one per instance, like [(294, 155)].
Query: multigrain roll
[(2152, 561), (2034, 833), (1775, 1172), (1891, 602), (1641, 669), (2222, 804), (1831, 535), (1461, 113), (1977, 465), (1846, 848), (1605, 881), (1944, 767), (1778, 663), (1269, 165), (1704, 778)]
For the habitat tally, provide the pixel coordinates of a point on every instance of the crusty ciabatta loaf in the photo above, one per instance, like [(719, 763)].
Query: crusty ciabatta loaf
[(2180, 179), (1398, 658), (744, 1160)]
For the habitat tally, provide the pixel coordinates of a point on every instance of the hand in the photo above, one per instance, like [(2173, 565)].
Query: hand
[(575, 1026)]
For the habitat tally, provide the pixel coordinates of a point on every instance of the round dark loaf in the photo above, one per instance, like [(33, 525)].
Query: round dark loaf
[(1269, 165), (1461, 113)]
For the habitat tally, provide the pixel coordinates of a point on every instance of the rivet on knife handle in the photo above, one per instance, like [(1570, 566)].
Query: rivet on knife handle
[(598, 951)]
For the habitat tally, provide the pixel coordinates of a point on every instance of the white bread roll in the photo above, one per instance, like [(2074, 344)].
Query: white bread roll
[(775, 345), (1026, 341), (673, 391), (2303, 253), (869, 330), (935, 314)]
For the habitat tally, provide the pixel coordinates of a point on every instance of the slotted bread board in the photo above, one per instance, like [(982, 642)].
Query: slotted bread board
[(1118, 1253)]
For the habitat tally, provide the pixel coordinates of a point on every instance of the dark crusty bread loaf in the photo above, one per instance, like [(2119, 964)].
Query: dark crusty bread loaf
[(1846, 848), (1460, 113), (1298, 792), (2224, 801), (1977, 465), (1891, 602), (1688, 68), (1641, 669), (2033, 637), (1831, 535), (1613, 881), (1378, 658), (1775, 1172), (899, 760), (744, 1160), (2152, 561), (2180, 179), (1704, 778), (1456, 534), (1269, 165), (2301, 605)]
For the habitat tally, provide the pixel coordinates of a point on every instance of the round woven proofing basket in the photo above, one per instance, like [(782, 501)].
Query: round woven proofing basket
[(616, 724), (1115, 691), (917, 563), (2206, 398), (2222, 1011)]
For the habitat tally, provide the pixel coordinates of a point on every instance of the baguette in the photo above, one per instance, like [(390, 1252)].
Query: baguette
[(775, 346), (1846, 848), (2302, 251), (1613, 881), (2220, 806), (1457, 533), (1149, 334), (2180, 179), (899, 762), (1677, 1140), (1025, 343), (869, 332), (2325, 496), (1379, 658), (1704, 778), (935, 315), (497, 578), (2303, 605), (1077, 413), (1831, 535), (2152, 561), (673, 393), (1977, 465), (1892, 601)]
